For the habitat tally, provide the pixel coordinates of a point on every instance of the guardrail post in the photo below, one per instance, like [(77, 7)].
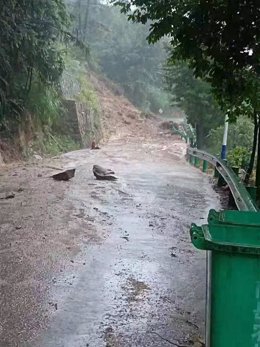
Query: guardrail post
[(216, 173), (197, 162), (221, 181), (205, 166), (231, 200)]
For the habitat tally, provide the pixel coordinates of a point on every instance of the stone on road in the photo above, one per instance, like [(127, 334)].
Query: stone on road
[(136, 281)]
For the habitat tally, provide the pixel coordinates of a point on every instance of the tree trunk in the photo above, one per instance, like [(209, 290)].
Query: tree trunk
[(199, 136), (253, 153), (79, 36), (85, 25)]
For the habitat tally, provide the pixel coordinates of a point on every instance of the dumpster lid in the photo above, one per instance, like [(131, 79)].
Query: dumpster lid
[(232, 235), (234, 217)]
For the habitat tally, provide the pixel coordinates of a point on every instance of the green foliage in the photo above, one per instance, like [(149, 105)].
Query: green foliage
[(76, 84), (240, 133), (194, 97), (239, 157), (57, 144), (44, 102), (29, 30), (120, 50), (87, 94), (240, 136), (218, 39), (51, 144), (75, 81)]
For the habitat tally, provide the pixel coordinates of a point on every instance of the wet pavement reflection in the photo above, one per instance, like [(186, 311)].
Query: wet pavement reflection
[(143, 284)]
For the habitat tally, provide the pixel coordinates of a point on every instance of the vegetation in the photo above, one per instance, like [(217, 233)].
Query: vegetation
[(194, 97), (212, 57), (76, 84), (219, 42), (239, 141), (51, 144), (30, 31), (218, 39), (119, 50)]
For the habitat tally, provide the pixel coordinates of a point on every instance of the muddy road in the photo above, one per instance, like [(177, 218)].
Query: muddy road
[(104, 264)]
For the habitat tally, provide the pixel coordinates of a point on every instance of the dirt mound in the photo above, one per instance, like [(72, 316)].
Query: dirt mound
[(120, 116)]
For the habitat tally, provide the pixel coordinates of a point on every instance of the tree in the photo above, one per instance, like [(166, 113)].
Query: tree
[(240, 135), (194, 96), (120, 50), (218, 39), (30, 31)]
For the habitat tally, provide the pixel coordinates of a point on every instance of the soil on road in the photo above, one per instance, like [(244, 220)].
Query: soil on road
[(104, 264)]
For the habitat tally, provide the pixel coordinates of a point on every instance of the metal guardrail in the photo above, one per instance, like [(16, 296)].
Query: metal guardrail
[(240, 194)]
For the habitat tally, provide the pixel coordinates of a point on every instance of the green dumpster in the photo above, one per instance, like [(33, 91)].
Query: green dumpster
[(233, 289), (234, 217)]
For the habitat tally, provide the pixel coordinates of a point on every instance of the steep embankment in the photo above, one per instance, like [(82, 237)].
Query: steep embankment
[(119, 116), (99, 112)]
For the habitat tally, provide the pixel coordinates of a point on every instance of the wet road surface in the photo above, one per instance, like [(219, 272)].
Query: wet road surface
[(143, 283), (104, 264)]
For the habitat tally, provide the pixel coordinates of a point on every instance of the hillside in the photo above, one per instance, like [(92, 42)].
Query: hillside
[(117, 117)]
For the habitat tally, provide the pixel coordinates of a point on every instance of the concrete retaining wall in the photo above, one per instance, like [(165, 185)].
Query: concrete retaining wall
[(81, 123)]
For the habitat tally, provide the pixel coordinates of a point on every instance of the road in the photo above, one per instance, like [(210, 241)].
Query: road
[(111, 263)]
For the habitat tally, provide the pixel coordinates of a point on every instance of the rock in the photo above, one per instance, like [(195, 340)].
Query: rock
[(37, 157), (7, 196), (166, 125), (55, 305), (103, 174), (65, 175), (94, 146), (127, 122)]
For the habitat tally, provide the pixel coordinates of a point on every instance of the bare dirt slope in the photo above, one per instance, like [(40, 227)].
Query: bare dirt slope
[(119, 116)]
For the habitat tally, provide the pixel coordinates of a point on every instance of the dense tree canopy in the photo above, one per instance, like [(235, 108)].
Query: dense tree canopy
[(219, 39), (30, 31), (194, 97), (120, 49)]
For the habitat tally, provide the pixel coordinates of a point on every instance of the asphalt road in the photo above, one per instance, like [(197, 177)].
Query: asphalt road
[(133, 278)]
